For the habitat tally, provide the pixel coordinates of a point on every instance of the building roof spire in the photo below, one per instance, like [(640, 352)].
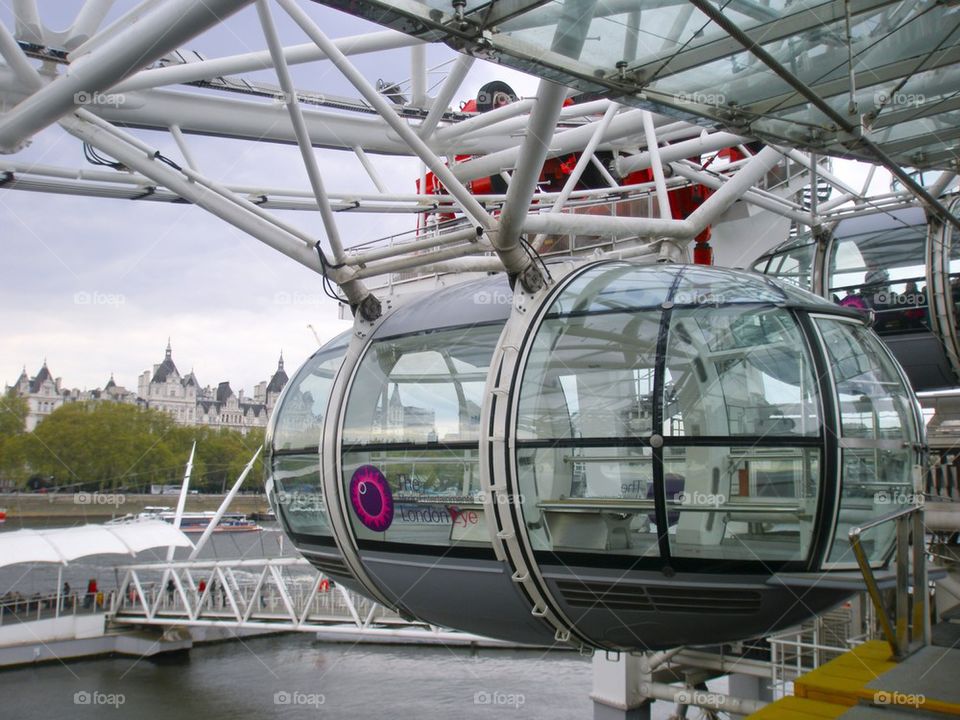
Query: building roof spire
[(169, 349), (279, 378)]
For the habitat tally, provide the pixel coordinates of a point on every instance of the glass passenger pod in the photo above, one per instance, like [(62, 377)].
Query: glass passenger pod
[(294, 485), (891, 265), (681, 422)]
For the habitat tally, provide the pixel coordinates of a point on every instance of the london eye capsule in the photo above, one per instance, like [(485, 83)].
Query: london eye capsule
[(897, 266), (635, 457)]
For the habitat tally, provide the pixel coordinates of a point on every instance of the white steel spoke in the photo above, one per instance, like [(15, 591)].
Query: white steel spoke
[(136, 46), (467, 202)]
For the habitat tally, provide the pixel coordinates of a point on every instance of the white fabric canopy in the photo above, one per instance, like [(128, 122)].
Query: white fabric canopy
[(64, 544)]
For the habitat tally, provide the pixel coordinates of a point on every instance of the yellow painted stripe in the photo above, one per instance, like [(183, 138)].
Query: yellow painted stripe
[(833, 688), (794, 708)]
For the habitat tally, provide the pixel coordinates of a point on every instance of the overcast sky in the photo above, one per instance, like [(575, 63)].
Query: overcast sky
[(96, 286)]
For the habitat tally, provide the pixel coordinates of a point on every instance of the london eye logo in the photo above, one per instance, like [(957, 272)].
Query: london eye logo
[(371, 498)]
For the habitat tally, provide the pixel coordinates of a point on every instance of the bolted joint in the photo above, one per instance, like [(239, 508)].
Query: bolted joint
[(369, 308), (531, 278), (671, 251)]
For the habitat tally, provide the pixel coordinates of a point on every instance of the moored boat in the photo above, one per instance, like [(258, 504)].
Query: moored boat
[(197, 522)]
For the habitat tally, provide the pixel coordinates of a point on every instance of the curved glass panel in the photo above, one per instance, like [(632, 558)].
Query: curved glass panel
[(615, 287), (738, 371), (878, 434), (300, 415), (701, 286), (422, 388), (298, 493), (604, 387), (410, 437), (591, 377), (294, 458), (953, 271), (793, 264), (597, 499), (883, 270), (745, 503)]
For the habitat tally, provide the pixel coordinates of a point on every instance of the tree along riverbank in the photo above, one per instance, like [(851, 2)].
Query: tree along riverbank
[(103, 506)]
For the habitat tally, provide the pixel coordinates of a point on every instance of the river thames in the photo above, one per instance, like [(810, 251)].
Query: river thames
[(294, 676)]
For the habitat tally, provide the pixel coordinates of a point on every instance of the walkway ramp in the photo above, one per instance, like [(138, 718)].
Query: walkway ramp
[(867, 684)]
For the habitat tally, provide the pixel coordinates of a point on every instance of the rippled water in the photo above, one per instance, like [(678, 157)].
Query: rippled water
[(294, 676)]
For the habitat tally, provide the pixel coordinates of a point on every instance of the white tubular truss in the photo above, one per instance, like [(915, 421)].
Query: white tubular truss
[(280, 594), (49, 77)]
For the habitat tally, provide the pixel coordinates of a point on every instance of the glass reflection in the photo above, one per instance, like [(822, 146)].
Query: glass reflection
[(299, 420), (423, 388), (738, 371), (298, 494), (793, 264)]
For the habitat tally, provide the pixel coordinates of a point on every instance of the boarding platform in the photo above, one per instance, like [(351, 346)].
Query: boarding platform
[(867, 684)]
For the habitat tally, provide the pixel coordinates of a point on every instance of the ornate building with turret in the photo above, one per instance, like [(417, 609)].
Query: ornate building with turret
[(42, 393), (162, 388), (188, 403)]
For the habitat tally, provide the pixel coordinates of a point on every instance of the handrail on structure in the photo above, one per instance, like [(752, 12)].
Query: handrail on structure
[(897, 633)]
